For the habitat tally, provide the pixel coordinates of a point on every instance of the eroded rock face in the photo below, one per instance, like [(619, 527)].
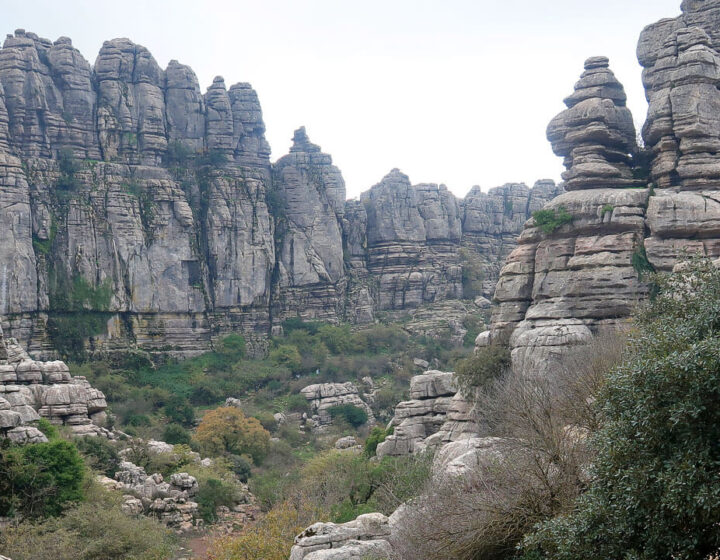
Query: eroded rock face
[(30, 390), (561, 287), (596, 133), (310, 268), (129, 195), (436, 415), (572, 279)]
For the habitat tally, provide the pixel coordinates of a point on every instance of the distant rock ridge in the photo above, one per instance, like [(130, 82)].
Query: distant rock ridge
[(129, 195)]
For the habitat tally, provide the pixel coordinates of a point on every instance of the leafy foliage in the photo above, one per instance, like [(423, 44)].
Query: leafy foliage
[(228, 430), (483, 366), (655, 491), (552, 219), (39, 480), (353, 415)]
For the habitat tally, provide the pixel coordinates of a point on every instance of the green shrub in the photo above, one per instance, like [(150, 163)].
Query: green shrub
[(655, 492), (234, 345), (352, 414), (240, 466), (297, 403), (100, 454), (552, 219), (175, 434), (95, 530), (641, 263), (483, 366), (212, 494), (377, 436), (178, 410), (39, 480), (287, 356)]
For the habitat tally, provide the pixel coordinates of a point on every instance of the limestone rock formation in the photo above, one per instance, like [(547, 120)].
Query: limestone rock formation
[(413, 236), (571, 278), (150, 213), (491, 223), (324, 396), (436, 415), (31, 390), (310, 268), (596, 134), (364, 537)]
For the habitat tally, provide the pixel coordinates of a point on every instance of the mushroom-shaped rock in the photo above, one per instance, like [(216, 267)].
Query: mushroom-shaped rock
[(595, 134)]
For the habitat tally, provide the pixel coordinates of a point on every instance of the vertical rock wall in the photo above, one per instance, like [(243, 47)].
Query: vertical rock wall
[(136, 212)]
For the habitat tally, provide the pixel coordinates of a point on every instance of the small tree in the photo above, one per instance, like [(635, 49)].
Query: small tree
[(228, 430)]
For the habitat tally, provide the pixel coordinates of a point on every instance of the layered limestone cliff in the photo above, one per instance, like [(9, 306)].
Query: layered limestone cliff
[(138, 212)]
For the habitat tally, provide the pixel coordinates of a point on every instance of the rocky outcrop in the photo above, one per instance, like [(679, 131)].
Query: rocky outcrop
[(572, 274), (491, 222), (31, 390), (140, 213), (324, 396), (168, 502), (435, 415), (364, 537), (596, 134)]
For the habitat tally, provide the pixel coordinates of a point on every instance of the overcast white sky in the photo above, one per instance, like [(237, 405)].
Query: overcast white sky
[(449, 91)]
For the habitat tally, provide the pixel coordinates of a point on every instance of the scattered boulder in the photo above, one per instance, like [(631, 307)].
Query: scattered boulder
[(346, 442)]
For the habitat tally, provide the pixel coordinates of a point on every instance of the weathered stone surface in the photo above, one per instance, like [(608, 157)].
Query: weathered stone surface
[(436, 415), (596, 133), (310, 264), (30, 390), (364, 537), (492, 221)]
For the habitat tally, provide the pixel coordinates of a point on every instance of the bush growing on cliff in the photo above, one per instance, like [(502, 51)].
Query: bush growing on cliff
[(352, 414), (485, 365), (552, 219), (655, 492)]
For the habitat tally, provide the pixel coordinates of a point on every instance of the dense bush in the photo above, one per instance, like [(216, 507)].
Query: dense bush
[(212, 494), (486, 364), (377, 436), (94, 530), (655, 492), (228, 430), (176, 434), (351, 414), (100, 454), (39, 480)]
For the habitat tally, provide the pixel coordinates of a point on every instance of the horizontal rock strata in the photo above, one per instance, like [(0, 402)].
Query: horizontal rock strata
[(31, 390), (148, 212)]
